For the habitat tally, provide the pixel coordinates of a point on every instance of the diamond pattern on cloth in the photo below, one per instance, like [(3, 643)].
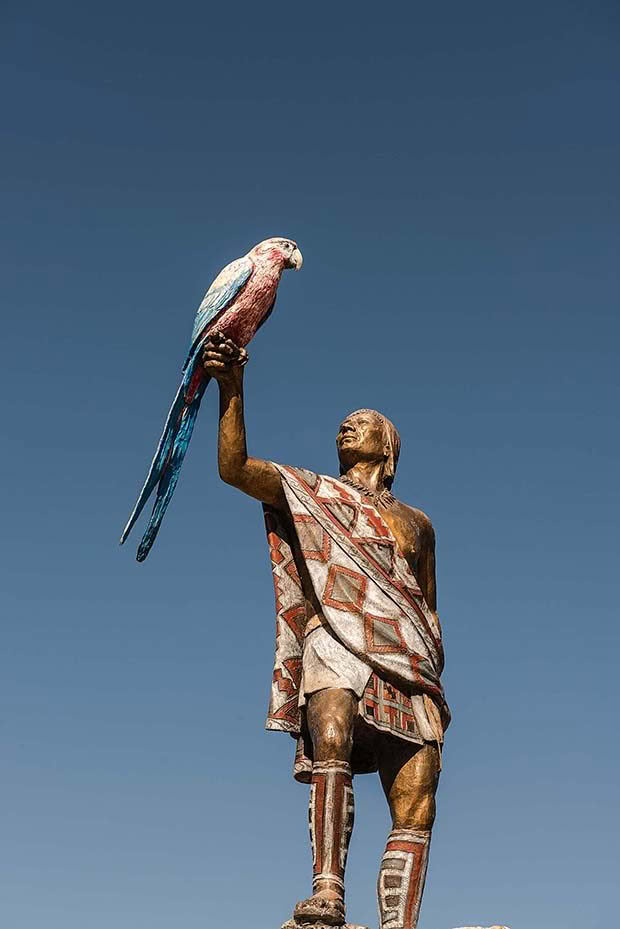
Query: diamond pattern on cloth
[(380, 552), (382, 634), (345, 589), (343, 512)]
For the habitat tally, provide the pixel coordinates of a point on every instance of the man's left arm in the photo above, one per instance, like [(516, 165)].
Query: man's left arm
[(426, 569)]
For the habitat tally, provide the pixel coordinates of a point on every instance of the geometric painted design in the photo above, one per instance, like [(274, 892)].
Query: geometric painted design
[(293, 573), (307, 534), (275, 545), (295, 618), (381, 552), (348, 815), (382, 634), (401, 878), (312, 480), (345, 513), (345, 589), (377, 523), (390, 710), (330, 815), (290, 624), (286, 681), (413, 592)]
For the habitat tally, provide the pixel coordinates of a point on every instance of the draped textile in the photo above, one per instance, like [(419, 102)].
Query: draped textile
[(368, 597)]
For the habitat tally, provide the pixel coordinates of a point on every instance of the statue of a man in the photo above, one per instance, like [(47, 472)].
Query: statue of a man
[(358, 643)]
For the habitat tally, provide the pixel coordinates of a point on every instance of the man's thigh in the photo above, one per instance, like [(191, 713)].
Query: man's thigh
[(409, 775)]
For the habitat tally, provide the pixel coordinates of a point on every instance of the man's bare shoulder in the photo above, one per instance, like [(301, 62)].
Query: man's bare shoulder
[(415, 517)]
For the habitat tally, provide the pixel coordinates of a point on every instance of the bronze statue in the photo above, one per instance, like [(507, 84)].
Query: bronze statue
[(358, 645)]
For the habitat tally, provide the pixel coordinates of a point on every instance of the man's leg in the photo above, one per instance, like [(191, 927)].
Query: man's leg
[(330, 715), (409, 776)]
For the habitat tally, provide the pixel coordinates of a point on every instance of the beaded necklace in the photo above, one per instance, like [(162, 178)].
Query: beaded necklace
[(380, 498)]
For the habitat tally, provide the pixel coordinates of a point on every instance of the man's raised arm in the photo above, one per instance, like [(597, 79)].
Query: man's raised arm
[(224, 361)]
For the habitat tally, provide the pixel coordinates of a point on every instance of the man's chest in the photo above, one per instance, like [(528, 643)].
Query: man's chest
[(407, 533)]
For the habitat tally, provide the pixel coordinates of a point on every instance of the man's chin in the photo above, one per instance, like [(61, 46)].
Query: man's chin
[(348, 459)]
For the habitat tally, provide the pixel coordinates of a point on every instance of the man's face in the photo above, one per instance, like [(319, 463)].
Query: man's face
[(360, 438)]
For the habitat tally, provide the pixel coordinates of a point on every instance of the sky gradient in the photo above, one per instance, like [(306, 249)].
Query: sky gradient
[(450, 172)]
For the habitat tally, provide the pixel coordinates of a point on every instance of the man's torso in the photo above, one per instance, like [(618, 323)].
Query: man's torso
[(412, 530)]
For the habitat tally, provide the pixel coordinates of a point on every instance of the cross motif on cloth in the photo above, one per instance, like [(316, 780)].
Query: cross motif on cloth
[(375, 521)]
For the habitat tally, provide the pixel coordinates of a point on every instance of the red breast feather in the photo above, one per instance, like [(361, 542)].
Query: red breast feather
[(241, 320)]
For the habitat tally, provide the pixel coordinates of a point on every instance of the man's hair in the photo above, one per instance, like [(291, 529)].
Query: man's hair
[(392, 440)]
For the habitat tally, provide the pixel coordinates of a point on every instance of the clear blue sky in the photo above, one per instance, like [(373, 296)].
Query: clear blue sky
[(450, 171)]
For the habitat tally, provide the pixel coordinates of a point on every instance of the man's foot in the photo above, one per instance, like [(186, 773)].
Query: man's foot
[(318, 908)]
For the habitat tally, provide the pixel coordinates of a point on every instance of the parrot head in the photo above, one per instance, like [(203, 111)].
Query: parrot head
[(279, 250)]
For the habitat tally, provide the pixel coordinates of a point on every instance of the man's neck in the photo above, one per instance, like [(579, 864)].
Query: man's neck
[(367, 473)]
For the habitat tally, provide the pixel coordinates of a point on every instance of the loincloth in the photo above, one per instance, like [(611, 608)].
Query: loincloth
[(327, 663)]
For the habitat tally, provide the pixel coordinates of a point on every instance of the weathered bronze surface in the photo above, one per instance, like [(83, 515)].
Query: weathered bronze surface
[(368, 448)]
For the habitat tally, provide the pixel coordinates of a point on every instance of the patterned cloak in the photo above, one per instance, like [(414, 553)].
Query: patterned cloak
[(368, 596)]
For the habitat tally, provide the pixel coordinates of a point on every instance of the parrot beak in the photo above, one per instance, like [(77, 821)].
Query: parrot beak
[(296, 260)]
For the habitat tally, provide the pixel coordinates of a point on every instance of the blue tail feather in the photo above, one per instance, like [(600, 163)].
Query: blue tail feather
[(171, 471), (159, 459), (165, 445)]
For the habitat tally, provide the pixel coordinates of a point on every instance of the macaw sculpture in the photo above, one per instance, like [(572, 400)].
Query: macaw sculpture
[(235, 306)]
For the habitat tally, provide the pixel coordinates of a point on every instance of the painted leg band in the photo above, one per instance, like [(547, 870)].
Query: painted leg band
[(401, 878), (331, 822)]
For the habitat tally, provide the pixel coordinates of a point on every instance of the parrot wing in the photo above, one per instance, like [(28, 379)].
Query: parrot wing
[(224, 289)]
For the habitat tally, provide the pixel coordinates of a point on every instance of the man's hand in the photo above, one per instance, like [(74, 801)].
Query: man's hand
[(222, 359)]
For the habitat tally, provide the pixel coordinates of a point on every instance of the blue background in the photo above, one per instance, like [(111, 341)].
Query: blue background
[(450, 171)]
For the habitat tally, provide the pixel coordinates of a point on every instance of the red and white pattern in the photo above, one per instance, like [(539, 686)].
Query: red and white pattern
[(413, 718), (368, 596), (330, 813), (401, 878)]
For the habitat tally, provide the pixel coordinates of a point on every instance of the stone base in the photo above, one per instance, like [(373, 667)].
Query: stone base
[(293, 924)]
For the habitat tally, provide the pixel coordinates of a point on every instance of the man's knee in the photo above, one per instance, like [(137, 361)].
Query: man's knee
[(332, 739), (330, 720)]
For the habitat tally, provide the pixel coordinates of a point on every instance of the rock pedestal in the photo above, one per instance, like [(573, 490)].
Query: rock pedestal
[(293, 924)]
